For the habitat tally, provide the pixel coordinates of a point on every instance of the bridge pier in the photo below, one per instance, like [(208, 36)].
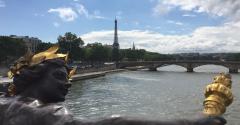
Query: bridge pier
[(231, 70), (152, 69), (189, 69)]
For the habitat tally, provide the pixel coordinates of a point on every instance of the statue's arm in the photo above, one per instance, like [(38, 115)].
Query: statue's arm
[(31, 116), (52, 118), (3, 108), (128, 121)]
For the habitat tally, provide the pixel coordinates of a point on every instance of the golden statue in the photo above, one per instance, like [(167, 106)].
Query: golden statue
[(218, 95)]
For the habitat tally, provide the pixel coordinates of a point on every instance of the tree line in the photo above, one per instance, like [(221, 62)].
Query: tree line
[(11, 49), (97, 52)]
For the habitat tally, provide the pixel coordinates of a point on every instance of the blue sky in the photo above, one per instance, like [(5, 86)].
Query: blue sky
[(165, 26)]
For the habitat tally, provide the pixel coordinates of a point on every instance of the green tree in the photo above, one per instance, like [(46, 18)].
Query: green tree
[(72, 44), (140, 54), (233, 57), (152, 56), (97, 52), (11, 49), (43, 46), (115, 54), (132, 55)]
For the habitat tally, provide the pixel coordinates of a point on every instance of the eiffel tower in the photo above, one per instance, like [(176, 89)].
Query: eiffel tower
[(115, 50), (115, 42)]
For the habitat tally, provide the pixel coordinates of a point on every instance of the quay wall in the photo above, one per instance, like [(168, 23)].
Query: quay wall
[(96, 69)]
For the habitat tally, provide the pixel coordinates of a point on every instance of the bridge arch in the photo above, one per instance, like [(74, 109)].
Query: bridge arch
[(172, 67), (191, 67), (188, 64), (211, 68)]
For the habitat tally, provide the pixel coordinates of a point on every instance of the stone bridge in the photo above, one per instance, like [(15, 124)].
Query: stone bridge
[(233, 66)]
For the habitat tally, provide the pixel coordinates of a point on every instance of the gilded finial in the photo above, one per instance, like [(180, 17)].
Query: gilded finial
[(218, 95)]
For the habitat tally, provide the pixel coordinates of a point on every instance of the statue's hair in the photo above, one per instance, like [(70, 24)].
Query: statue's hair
[(30, 75)]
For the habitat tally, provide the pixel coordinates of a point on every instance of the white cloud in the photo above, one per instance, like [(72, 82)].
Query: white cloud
[(97, 15), (66, 14), (227, 8), (223, 38), (175, 22), (83, 11), (161, 9), (189, 15), (71, 13), (2, 3), (205, 39), (56, 24)]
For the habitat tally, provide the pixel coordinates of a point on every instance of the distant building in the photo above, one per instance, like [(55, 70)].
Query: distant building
[(108, 46), (31, 42), (133, 47), (190, 56)]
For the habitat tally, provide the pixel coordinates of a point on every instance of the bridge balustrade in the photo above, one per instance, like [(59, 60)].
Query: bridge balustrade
[(233, 66)]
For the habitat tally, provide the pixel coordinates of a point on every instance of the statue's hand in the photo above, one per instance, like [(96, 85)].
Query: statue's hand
[(213, 120)]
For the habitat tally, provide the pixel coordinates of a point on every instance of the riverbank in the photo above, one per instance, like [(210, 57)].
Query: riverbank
[(77, 77), (90, 75)]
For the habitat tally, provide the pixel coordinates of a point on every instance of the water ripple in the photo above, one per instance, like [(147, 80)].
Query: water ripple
[(152, 95)]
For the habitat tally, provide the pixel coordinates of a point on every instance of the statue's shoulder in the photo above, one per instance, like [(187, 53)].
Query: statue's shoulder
[(29, 111), (3, 105), (39, 107)]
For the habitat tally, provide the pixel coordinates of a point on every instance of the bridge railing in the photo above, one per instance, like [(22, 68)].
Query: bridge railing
[(183, 61)]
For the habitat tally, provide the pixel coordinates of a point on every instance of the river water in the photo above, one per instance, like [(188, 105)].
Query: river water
[(169, 93)]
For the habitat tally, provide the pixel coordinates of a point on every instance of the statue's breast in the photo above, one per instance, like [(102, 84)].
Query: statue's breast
[(53, 108), (33, 112), (60, 110)]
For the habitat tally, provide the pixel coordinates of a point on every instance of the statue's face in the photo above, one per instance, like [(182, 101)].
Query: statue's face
[(52, 86)]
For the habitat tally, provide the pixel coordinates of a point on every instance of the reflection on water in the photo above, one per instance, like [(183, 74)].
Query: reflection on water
[(153, 95)]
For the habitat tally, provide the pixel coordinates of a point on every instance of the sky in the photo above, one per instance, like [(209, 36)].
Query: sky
[(164, 26)]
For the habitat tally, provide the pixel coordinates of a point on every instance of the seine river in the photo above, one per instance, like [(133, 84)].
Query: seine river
[(169, 93)]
